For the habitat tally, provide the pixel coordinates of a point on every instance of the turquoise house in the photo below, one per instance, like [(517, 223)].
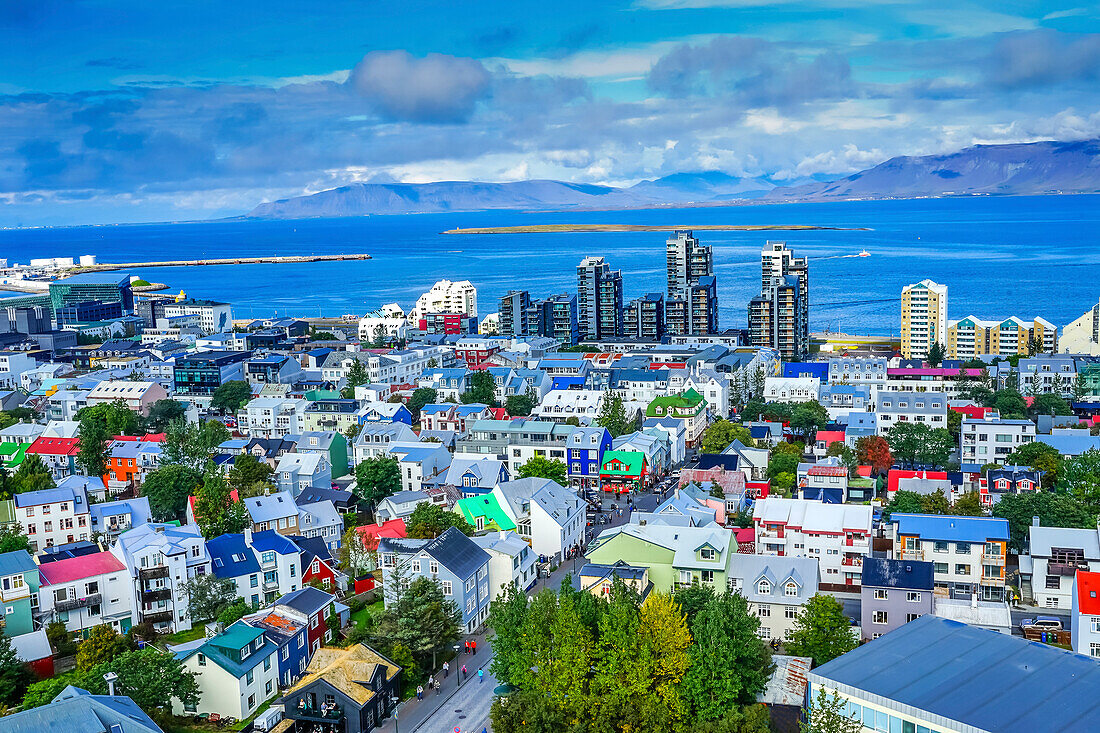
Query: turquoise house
[(18, 585)]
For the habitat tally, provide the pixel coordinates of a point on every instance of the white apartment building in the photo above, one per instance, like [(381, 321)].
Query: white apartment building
[(213, 317), (991, 441), (423, 465), (858, 370), (777, 589), (446, 297), (390, 318), (160, 560), (561, 404), (272, 417), (838, 536), (86, 591), (926, 407), (53, 516), (1055, 556), (138, 396), (375, 439), (923, 318), (511, 561), (406, 365), (791, 389)]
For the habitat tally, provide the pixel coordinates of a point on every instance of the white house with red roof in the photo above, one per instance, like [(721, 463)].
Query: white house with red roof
[(837, 535), (86, 591), (54, 516), (59, 454), (1085, 620)]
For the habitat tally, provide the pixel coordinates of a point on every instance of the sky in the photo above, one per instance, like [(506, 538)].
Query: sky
[(130, 111)]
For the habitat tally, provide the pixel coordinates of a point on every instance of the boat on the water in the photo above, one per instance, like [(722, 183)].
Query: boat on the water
[(863, 253)]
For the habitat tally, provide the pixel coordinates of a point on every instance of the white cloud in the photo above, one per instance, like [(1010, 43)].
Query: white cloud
[(848, 159)]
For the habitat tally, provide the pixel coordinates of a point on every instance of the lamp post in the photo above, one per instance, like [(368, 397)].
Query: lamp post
[(395, 699)]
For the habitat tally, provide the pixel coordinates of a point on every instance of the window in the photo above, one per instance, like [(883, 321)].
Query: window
[(254, 581), (708, 576), (764, 588), (248, 677), (912, 596), (313, 622), (1095, 625), (912, 617), (301, 640), (880, 617), (790, 612), (251, 699), (790, 590), (962, 548), (764, 632), (202, 660), (961, 569), (267, 664), (267, 687), (764, 611), (1094, 650), (940, 567), (939, 546), (706, 553), (285, 653), (881, 594)]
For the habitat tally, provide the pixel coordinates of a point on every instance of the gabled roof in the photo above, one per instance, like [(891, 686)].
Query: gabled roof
[(347, 670), (452, 549), (489, 508), (271, 507), (307, 600), (950, 528), (16, 561), (55, 446), (231, 557), (881, 572), (76, 711), (76, 568), (632, 462)]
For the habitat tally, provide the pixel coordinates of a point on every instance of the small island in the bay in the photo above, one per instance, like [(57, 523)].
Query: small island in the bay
[(586, 228)]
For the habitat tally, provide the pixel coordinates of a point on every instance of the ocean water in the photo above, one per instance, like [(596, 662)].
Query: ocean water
[(1023, 256)]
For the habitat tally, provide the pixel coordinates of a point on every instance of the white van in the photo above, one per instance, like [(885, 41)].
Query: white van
[(268, 719)]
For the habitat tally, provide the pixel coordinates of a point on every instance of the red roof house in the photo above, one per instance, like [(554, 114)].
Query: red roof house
[(59, 454), (896, 474), (394, 529)]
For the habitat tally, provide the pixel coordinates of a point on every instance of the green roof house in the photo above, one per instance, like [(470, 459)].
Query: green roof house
[(485, 512), (623, 470), (689, 407), (12, 454)]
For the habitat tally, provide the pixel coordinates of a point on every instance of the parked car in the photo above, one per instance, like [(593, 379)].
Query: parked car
[(267, 720), (1042, 623)]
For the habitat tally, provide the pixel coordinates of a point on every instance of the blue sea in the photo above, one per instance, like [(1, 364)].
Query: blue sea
[(1023, 256)]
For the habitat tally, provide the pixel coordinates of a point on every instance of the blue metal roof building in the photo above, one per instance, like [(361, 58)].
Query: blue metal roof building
[(950, 528), (937, 675)]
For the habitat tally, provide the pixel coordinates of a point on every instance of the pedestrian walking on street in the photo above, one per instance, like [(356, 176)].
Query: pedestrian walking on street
[(419, 692), (464, 671), (480, 676), (437, 688), (431, 681), (446, 670), (473, 648)]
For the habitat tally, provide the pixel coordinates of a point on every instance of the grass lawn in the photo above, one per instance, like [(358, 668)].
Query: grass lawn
[(195, 632), (359, 618)]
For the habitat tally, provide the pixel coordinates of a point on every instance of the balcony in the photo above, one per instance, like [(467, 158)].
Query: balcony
[(995, 560), (317, 716), (72, 604), (157, 617), (1065, 568), (159, 571), (156, 594), (14, 594), (912, 554), (856, 562), (271, 584), (994, 582)]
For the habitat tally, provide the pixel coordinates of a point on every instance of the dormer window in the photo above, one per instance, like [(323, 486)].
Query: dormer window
[(764, 588), (791, 589), (707, 553)]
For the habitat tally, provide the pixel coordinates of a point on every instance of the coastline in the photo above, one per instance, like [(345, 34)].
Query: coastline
[(595, 228)]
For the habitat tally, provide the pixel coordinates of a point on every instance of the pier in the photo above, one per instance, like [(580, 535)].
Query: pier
[(271, 260)]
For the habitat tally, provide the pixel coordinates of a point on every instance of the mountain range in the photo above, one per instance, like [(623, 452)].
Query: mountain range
[(1018, 169)]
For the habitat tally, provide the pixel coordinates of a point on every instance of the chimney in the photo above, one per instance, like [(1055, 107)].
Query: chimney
[(1034, 521), (248, 536), (111, 678), (974, 599)]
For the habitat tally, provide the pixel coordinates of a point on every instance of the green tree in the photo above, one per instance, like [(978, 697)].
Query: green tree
[(918, 444), (101, 645), (1039, 457), (968, 505), (822, 631), (250, 476), (541, 467), (378, 477), (721, 433), (519, 405), (782, 469), (114, 417), (234, 612), (216, 512), (828, 714), (95, 445), (693, 599), (730, 664), (231, 396), (151, 678), (192, 444), (613, 416), (431, 520), (665, 659), (355, 559), (167, 489), (12, 538), (15, 675), (357, 375), (807, 418), (508, 624), (15, 415), (904, 502), (422, 619), (482, 390), (935, 503), (163, 412), (207, 595), (1049, 404), (421, 396), (936, 354), (1009, 403), (954, 424), (60, 638), (44, 691), (1080, 388), (1052, 509), (1081, 477)]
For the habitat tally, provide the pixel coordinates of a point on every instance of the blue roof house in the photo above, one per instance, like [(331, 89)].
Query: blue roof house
[(967, 553), (585, 448), (453, 560), (78, 711)]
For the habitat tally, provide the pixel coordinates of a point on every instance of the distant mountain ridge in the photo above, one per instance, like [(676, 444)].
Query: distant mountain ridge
[(1008, 170), (1017, 169)]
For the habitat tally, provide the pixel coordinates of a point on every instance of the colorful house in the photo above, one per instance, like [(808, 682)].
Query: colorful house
[(59, 454), (689, 407), (586, 447), (623, 471), (347, 690), (12, 454), (18, 585), (485, 513), (237, 670)]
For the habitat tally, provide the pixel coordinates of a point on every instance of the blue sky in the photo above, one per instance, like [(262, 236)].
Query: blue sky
[(137, 111)]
